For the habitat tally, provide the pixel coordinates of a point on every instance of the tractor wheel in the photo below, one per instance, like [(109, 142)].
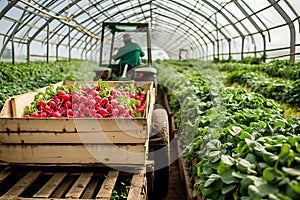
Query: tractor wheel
[(159, 145)]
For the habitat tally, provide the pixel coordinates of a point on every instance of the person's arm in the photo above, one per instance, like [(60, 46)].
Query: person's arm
[(142, 54)]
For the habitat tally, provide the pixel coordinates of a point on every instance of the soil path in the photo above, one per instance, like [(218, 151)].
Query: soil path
[(176, 189)]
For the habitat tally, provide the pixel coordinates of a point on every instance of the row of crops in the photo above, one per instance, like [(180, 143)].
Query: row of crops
[(24, 77), (277, 80), (237, 144)]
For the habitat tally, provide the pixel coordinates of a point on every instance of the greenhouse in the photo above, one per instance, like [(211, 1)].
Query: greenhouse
[(150, 99)]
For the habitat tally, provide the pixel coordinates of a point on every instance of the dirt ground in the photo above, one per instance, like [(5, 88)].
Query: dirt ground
[(176, 189), (176, 186)]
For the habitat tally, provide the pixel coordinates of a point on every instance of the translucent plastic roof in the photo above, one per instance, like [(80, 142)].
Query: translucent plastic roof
[(205, 29)]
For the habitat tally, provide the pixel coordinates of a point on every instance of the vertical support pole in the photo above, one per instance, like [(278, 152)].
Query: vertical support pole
[(149, 46), (47, 53), (12, 50), (290, 23), (57, 52), (242, 50), (69, 44), (111, 46), (229, 49), (28, 50), (101, 45)]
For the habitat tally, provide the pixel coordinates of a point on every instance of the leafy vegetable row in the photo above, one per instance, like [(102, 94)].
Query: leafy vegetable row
[(238, 145), (275, 68), (278, 89), (24, 77)]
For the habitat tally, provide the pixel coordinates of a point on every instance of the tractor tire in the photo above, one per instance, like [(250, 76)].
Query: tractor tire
[(159, 145)]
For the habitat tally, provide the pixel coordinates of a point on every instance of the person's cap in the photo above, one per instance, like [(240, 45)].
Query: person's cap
[(126, 37)]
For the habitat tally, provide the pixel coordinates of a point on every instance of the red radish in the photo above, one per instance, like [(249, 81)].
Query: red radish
[(94, 93), (56, 115), (52, 104), (109, 107), (115, 112), (42, 103), (60, 93), (26, 116), (81, 106), (81, 115), (93, 112), (114, 92), (104, 101), (35, 115), (75, 113), (43, 114), (75, 106), (68, 104), (98, 99), (75, 97), (121, 108), (92, 102), (69, 112), (57, 101), (83, 99), (66, 97), (97, 115), (86, 111), (47, 109), (89, 97), (103, 112), (114, 103)]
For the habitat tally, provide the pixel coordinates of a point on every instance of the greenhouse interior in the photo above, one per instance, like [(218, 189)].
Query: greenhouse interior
[(150, 99)]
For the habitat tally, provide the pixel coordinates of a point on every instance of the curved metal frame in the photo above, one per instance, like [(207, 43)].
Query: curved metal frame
[(203, 33)]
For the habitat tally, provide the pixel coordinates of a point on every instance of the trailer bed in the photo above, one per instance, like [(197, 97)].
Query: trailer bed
[(32, 183)]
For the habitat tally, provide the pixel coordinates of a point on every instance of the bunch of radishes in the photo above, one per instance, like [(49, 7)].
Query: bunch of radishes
[(89, 102)]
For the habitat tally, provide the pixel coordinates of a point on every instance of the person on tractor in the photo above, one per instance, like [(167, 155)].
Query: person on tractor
[(128, 54)]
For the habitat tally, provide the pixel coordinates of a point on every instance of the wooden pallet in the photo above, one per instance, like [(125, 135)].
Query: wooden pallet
[(65, 183)]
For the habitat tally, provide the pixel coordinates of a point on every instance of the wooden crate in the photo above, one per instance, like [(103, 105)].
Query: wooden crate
[(73, 141), (67, 183)]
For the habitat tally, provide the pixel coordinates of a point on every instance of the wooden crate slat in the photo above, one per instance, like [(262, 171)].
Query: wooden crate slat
[(72, 154), (5, 173), (88, 193), (51, 185), (136, 191), (6, 109), (62, 189), (76, 125), (19, 103), (80, 185), (22, 184), (108, 185), (138, 137)]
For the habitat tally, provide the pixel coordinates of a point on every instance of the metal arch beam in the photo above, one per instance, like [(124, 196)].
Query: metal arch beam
[(203, 16), (183, 30), (7, 8), (261, 21), (168, 31), (129, 16), (290, 23), (209, 20), (188, 19), (77, 15), (5, 43), (254, 24), (231, 23), (294, 11), (51, 19)]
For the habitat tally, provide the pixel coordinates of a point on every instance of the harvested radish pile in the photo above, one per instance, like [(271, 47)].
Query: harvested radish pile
[(89, 101)]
